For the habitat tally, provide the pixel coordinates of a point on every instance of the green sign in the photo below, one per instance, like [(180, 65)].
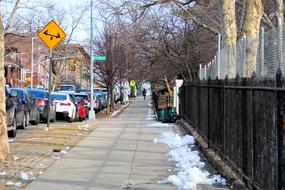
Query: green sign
[(100, 58)]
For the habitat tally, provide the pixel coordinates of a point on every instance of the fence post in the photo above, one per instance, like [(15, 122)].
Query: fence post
[(244, 56), (219, 57), (262, 53), (205, 72), (279, 130), (200, 72)]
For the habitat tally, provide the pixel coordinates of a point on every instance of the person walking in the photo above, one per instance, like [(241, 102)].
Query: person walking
[(144, 93)]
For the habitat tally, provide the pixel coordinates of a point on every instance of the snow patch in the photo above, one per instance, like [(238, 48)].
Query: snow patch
[(11, 183), (56, 157), (11, 140), (155, 141), (2, 173), (15, 158), (63, 152), (27, 176), (188, 163)]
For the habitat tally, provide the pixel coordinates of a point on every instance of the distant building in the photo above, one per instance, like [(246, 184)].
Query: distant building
[(18, 62), (18, 57), (77, 68)]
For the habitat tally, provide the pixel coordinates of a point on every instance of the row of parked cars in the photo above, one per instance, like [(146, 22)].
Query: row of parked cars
[(30, 106), (100, 95)]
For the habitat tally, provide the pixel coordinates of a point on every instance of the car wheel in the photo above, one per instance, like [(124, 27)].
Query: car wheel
[(71, 119), (37, 119), (54, 117), (23, 126), (13, 132), (27, 119)]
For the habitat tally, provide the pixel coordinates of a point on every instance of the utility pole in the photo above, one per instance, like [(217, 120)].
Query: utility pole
[(92, 112)]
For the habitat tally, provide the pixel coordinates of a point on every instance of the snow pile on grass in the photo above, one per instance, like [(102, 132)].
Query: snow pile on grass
[(188, 163), (12, 183), (27, 176)]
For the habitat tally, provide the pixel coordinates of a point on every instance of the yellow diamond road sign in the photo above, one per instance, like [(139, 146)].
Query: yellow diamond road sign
[(51, 34), (132, 83)]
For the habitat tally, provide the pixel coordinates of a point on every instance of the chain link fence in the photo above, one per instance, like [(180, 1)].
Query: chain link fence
[(268, 59)]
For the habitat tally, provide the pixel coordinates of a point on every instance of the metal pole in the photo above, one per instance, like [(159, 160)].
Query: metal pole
[(92, 112), (32, 64), (262, 52), (49, 87)]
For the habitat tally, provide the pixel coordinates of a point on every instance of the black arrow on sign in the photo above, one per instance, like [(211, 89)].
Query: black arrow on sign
[(51, 35)]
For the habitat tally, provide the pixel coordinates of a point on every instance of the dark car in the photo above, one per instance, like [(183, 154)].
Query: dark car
[(41, 98), (31, 109), (14, 113)]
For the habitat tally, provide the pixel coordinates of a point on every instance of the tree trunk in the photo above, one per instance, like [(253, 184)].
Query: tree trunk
[(4, 144), (280, 20), (109, 101), (229, 34), (251, 27)]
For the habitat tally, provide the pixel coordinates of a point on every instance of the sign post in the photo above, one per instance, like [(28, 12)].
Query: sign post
[(51, 35)]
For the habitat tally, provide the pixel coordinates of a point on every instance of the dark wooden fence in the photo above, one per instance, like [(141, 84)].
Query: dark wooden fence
[(244, 121)]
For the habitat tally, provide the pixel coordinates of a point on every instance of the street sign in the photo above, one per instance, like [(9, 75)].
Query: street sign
[(132, 83), (51, 34), (100, 58)]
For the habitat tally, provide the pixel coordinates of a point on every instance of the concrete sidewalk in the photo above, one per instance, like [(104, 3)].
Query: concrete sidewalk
[(119, 154)]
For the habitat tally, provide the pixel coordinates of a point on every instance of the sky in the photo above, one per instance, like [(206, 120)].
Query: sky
[(82, 33)]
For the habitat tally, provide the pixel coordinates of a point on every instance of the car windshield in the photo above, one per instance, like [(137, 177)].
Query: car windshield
[(60, 97), (81, 97), (65, 88), (38, 93)]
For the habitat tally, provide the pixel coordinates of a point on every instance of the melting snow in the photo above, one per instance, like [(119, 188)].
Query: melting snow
[(56, 157), (11, 183), (2, 173), (15, 158), (11, 140), (27, 176), (188, 163)]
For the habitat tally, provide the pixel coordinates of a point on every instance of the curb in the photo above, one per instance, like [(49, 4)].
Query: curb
[(214, 159)]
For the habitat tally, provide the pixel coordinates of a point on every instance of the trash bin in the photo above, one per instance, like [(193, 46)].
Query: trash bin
[(161, 114), (170, 110)]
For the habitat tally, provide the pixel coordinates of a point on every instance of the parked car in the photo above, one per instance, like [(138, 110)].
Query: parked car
[(65, 106), (14, 114), (32, 114), (41, 97), (67, 88)]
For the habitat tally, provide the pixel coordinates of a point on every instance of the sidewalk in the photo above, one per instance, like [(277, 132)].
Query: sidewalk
[(119, 154)]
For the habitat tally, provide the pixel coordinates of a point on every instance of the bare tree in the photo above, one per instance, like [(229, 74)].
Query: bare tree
[(5, 153)]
